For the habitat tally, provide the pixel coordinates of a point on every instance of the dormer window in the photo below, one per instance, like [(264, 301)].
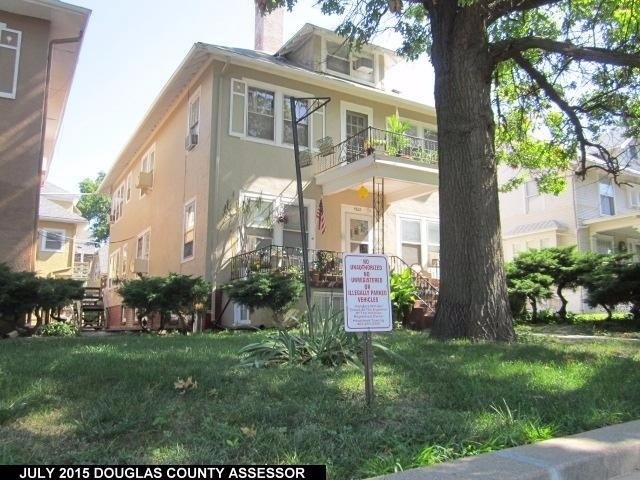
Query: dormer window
[(358, 65)]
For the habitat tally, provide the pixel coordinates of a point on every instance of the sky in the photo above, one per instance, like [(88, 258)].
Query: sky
[(130, 50)]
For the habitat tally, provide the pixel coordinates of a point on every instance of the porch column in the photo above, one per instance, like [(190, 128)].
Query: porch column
[(378, 214)]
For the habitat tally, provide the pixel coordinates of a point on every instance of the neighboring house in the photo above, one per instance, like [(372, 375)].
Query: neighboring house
[(595, 214), (207, 184), (64, 250), (39, 45)]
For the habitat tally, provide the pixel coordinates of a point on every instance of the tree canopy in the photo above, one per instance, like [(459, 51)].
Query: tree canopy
[(533, 84), (95, 207)]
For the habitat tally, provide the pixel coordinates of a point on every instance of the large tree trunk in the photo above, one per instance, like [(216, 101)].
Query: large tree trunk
[(473, 301)]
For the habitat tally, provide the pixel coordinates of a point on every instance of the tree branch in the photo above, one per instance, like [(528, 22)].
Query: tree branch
[(500, 8), (611, 164), (506, 49)]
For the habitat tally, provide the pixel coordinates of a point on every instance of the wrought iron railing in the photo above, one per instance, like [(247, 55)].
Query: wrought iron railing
[(427, 288), (325, 268), (372, 140)]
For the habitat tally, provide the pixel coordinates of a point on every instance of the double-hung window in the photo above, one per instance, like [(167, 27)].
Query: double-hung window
[(147, 171), (188, 238), (114, 263), (419, 243), (339, 59), (143, 245), (261, 113), (303, 125), (53, 240), (117, 202), (193, 127), (633, 192), (258, 222), (607, 205), (9, 61)]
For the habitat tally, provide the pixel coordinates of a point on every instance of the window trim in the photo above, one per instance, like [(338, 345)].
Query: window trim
[(237, 315), (279, 97), (138, 237), (143, 158), (14, 92), (425, 240), (352, 107), (191, 202), (601, 182), (193, 129), (352, 57), (114, 267), (56, 231)]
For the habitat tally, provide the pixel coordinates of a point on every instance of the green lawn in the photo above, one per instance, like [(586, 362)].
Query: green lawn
[(113, 400)]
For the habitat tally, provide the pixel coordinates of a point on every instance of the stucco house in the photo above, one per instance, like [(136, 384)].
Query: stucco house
[(39, 45), (207, 185), (594, 213)]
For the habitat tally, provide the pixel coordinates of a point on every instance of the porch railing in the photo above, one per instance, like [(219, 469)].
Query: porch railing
[(325, 268), (427, 288), (371, 140)]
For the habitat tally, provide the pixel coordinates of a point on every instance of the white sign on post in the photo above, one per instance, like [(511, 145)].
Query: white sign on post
[(367, 304)]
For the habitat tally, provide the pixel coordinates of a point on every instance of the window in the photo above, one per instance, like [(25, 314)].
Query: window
[(193, 127), (327, 303), (189, 230), (419, 242), (607, 206), (117, 203), (124, 261), (9, 60), (602, 244), (53, 240), (114, 262), (633, 193), (303, 125), (411, 242), (147, 168), (143, 245), (339, 59), (261, 113), (534, 202), (292, 227), (241, 314), (128, 188), (258, 221)]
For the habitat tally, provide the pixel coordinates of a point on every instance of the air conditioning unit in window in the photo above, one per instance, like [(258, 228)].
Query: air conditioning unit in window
[(191, 141), (141, 265), (363, 64), (145, 180)]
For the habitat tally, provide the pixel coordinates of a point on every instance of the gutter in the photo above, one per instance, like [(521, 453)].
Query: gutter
[(43, 127)]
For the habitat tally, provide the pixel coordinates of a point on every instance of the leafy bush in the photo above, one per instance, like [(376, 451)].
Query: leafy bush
[(327, 344), (402, 293), (278, 291), (59, 329)]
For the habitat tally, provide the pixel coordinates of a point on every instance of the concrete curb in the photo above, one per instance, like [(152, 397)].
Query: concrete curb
[(599, 454)]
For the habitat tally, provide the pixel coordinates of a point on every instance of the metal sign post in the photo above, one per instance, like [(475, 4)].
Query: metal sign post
[(367, 304)]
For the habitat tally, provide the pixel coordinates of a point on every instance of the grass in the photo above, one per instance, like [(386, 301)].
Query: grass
[(118, 400)]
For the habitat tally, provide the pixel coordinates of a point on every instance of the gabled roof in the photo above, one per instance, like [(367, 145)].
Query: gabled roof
[(51, 211), (201, 56)]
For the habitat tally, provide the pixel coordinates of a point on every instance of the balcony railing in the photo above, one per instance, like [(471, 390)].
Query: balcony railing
[(81, 270), (372, 140)]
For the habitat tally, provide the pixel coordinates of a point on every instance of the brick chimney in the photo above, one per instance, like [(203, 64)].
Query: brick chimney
[(269, 31)]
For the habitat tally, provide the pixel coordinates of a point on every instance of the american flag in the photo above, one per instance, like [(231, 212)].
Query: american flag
[(320, 217)]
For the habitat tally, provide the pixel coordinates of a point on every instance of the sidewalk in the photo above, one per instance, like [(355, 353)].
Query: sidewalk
[(610, 453)]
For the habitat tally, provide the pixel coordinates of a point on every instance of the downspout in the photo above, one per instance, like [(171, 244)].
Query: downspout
[(43, 127), (215, 182)]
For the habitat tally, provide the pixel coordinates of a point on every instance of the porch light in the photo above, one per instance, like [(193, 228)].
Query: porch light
[(363, 192)]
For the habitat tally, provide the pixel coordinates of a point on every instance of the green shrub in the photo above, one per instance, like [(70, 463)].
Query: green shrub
[(278, 291), (403, 293), (59, 329), (327, 344)]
